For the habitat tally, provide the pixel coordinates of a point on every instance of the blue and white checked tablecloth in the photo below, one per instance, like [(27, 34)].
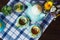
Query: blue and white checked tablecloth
[(11, 32)]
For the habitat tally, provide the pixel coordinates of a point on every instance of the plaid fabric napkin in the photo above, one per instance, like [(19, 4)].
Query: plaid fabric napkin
[(11, 32)]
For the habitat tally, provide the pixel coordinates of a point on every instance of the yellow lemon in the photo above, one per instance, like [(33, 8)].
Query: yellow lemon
[(48, 5)]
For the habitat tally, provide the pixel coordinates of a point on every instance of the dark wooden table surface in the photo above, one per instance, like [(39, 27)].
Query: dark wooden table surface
[(51, 33)]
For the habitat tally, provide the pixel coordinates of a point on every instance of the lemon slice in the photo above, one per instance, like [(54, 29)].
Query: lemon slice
[(48, 5)]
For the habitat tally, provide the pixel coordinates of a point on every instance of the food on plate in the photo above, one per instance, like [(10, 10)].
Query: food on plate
[(19, 7), (35, 30), (22, 21), (6, 10)]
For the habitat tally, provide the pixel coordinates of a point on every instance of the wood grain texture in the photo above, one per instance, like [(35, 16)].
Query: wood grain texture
[(3, 3), (53, 31)]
